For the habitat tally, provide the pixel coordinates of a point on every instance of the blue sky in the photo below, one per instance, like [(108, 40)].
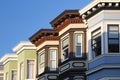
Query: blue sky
[(19, 19)]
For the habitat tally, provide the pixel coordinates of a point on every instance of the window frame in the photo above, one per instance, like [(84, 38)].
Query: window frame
[(81, 35), (96, 32), (53, 69), (63, 48), (108, 26), (41, 63), (33, 68), (12, 74)]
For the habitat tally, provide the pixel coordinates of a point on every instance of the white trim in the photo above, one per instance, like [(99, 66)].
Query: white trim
[(23, 45), (56, 42), (80, 45), (34, 68), (8, 57), (56, 51), (71, 26)]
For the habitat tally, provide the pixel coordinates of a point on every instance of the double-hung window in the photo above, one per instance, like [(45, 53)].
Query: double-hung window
[(113, 38), (53, 54), (14, 75), (96, 42), (41, 62), (78, 45), (65, 47), (30, 69)]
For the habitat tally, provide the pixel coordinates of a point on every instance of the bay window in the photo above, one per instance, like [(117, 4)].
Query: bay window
[(53, 54), (96, 43), (113, 38), (78, 45)]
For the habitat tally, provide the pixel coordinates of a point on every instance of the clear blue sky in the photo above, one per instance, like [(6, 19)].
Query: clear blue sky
[(19, 19)]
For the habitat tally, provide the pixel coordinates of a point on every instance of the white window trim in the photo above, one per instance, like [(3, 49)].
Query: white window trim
[(34, 68), (55, 59), (75, 44)]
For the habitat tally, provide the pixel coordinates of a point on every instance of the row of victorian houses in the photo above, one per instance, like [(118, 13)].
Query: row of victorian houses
[(81, 45)]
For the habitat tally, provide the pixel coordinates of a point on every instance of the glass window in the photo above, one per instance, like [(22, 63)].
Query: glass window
[(14, 75), (41, 62), (30, 69), (113, 38), (21, 71), (65, 47), (96, 43), (53, 59), (78, 45)]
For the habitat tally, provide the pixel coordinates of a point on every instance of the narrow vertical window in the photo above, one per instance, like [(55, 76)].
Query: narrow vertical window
[(78, 45), (14, 75), (41, 63), (96, 43), (6, 76), (21, 71), (30, 69), (53, 59), (65, 47), (113, 38)]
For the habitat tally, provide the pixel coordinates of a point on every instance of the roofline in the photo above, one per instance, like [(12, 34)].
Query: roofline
[(93, 3)]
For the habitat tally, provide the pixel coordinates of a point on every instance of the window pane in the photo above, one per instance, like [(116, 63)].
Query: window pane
[(30, 69), (96, 43), (52, 59), (78, 41), (78, 50), (41, 62), (14, 75), (52, 54), (65, 42), (113, 38)]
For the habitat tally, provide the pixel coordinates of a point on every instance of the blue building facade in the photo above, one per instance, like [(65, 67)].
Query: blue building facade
[(103, 39)]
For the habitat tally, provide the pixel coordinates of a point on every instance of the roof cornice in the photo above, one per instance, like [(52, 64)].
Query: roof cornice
[(22, 46), (96, 5), (8, 57)]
